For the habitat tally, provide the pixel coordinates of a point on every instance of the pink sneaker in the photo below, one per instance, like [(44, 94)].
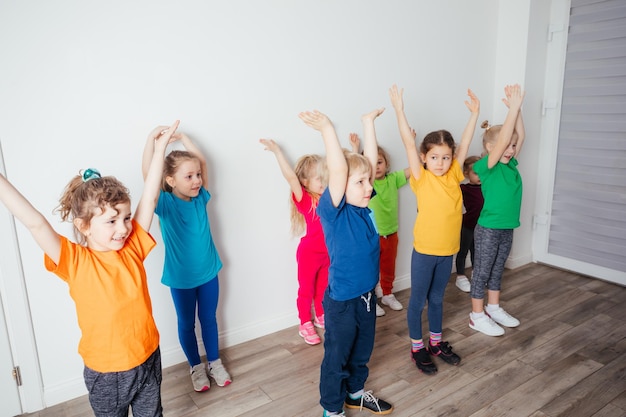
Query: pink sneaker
[(319, 322), (308, 332)]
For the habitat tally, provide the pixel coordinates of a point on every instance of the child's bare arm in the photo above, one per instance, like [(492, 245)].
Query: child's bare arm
[(370, 144), (148, 150), (406, 133), (43, 233), (193, 149), (521, 133), (335, 159), (468, 133), (285, 167), (152, 183), (355, 143), (514, 98)]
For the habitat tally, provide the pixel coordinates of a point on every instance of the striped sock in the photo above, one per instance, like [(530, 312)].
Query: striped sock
[(435, 338), (417, 345)]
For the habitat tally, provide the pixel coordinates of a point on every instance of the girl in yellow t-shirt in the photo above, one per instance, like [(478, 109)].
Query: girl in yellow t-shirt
[(119, 340), (435, 178)]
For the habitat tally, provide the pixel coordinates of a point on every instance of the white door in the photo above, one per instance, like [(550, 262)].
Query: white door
[(580, 219), (17, 341), (10, 405)]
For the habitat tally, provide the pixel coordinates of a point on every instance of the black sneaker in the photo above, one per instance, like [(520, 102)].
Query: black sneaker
[(444, 351), (423, 362), (370, 403)]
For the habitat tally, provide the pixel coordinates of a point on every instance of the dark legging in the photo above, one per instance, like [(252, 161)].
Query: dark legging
[(467, 245), (492, 249)]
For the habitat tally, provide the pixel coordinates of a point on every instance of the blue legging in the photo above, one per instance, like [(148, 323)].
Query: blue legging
[(185, 301), (429, 277)]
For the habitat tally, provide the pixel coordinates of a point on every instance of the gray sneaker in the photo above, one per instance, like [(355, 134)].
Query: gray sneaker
[(199, 378), (219, 373)]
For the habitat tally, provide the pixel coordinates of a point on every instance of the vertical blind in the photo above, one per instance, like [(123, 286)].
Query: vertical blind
[(588, 219)]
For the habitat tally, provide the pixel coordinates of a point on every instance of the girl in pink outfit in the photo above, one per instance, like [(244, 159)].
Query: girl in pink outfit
[(307, 184)]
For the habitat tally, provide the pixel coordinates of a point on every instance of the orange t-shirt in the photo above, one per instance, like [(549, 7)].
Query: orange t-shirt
[(113, 305)]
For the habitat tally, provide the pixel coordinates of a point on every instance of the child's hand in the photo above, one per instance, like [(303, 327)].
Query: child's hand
[(355, 142), (473, 104), (315, 119), (395, 95), (166, 136), (270, 145), (413, 133), (373, 114), (514, 95)]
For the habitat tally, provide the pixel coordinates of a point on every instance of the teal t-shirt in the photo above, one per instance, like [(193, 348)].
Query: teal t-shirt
[(502, 191), (191, 258), (385, 203)]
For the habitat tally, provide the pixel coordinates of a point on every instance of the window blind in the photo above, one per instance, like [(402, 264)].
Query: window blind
[(588, 218)]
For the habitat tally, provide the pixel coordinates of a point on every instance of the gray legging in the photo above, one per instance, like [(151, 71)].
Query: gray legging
[(492, 248)]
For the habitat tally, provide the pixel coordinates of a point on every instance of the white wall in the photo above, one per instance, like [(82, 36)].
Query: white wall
[(83, 82)]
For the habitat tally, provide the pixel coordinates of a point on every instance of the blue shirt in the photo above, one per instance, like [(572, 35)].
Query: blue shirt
[(191, 258), (353, 247)]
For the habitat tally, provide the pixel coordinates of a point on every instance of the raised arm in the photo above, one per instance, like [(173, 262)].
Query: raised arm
[(43, 233), (521, 133), (514, 98), (193, 149), (152, 182), (335, 159), (148, 150), (285, 167), (370, 144), (355, 143), (468, 133), (406, 133)]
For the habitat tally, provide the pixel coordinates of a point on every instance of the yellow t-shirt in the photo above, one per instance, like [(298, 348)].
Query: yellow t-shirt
[(112, 301), (437, 229)]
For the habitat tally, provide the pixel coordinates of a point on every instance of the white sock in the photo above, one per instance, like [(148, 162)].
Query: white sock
[(476, 316), (492, 307)]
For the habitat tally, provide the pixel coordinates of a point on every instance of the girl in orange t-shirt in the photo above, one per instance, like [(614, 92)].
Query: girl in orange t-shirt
[(107, 281)]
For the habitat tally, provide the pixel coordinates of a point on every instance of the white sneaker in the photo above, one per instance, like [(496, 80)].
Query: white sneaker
[(199, 378), (486, 325), (391, 301), (502, 317), (379, 311), (463, 284), (219, 373)]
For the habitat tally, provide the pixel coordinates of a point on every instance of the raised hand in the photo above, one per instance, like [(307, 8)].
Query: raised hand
[(270, 145), (395, 94), (513, 95), (315, 119), (373, 114), (473, 104), (355, 142)]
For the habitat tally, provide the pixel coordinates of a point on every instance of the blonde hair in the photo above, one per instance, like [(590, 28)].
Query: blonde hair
[(80, 199), (357, 163), (306, 168), (172, 162), (490, 135)]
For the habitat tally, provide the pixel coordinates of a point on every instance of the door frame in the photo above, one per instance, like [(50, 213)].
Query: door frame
[(16, 308)]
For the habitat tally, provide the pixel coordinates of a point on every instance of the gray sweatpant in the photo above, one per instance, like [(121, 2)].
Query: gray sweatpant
[(491, 249), (111, 394)]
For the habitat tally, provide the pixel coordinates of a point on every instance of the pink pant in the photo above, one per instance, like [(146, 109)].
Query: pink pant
[(388, 253), (312, 280)]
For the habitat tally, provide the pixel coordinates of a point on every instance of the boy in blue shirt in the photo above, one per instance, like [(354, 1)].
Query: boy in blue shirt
[(353, 247)]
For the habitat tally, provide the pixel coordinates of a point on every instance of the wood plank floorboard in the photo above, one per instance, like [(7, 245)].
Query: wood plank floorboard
[(566, 359)]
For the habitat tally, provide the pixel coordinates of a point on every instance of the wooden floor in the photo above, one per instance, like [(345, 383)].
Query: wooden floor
[(565, 359)]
